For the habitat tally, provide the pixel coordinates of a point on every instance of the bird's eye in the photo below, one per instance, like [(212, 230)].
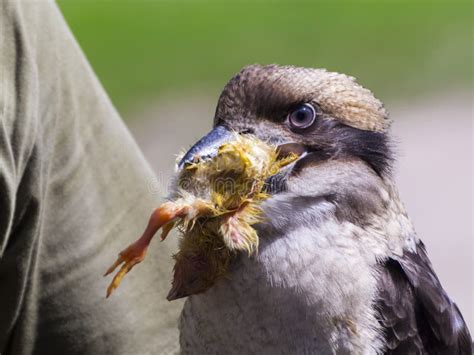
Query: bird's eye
[(302, 117)]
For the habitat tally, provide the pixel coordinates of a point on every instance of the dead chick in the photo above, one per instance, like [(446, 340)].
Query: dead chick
[(217, 200)]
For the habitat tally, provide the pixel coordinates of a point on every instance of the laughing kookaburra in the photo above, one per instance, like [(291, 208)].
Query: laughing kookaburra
[(339, 268)]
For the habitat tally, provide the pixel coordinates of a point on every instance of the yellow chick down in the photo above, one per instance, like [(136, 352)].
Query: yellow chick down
[(215, 207)]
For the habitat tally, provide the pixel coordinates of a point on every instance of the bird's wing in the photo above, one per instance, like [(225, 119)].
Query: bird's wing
[(416, 313)]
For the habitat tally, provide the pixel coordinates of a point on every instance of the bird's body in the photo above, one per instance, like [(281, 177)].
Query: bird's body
[(313, 285), (339, 267)]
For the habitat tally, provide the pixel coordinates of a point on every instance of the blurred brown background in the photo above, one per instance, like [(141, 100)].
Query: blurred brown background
[(163, 63)]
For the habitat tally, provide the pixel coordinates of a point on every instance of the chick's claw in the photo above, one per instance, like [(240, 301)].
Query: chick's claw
[(129, 257)]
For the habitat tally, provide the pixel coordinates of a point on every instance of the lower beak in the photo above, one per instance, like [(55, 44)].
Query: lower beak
[(286, 149), (207, 146)]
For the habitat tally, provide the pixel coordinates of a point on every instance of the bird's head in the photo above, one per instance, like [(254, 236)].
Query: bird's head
[(317, 114)]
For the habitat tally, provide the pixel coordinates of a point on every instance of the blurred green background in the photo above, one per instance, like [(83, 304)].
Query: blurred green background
[(143, 49)]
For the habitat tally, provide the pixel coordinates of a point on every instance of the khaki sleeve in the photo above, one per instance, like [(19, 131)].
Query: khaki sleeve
[(73, 193)]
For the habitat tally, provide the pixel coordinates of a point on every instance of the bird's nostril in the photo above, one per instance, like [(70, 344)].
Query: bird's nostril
[(247, 131)]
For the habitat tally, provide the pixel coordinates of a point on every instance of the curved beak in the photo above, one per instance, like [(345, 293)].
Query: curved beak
[(207, 146)]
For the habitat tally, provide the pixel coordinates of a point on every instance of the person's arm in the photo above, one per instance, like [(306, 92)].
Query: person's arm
[(73, 191), (19, 184)]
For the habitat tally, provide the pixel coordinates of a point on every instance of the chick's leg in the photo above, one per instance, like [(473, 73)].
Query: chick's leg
[(163, 216)]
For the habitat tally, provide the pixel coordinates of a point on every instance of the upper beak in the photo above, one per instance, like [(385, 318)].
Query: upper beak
[(207, 146)]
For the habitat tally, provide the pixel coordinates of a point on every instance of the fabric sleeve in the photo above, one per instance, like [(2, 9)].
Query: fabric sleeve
[(73, 193)]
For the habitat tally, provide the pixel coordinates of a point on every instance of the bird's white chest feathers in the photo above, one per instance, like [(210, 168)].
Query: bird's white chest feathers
[(296, 296)]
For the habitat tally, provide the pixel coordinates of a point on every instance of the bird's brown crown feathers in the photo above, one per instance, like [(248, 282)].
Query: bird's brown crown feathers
[(258, 87)]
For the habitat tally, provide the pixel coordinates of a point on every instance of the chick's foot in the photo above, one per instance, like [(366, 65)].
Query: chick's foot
[(163, 216)]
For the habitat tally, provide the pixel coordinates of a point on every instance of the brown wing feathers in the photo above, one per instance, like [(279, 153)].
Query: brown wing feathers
[(415, 311)]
